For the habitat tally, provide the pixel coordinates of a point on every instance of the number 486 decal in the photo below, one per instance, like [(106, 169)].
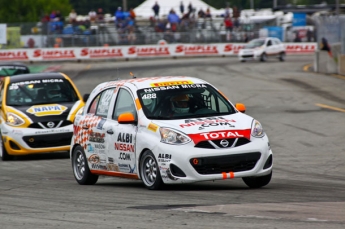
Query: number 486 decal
[(149, 96)]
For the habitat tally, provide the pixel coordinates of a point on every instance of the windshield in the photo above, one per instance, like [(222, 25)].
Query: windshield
[(183, 101), (32, 92), (254, 43), (13, 70)]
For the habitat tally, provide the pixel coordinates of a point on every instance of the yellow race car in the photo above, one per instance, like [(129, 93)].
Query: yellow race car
[(37, 113)]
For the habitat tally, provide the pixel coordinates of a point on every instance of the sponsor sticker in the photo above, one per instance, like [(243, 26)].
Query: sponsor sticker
[(152, 127), (171, 83), (44, 110)]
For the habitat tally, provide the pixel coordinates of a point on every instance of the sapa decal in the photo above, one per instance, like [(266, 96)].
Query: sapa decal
[(44, 110)]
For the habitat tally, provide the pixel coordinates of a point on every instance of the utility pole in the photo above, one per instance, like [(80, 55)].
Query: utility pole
[(337, 7), (252, 4), (274, 4), (124, 5)]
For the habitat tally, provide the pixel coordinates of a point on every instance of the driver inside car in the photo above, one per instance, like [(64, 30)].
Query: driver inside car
[(180, 104)]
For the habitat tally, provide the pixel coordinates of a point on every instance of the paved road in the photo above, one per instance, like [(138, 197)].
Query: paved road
[(302, 113)]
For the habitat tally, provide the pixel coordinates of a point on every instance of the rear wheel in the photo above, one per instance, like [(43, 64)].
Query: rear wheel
[(263, 57), (3, 153), (149, 171), (282, 56), (81, 169), (257, 182)]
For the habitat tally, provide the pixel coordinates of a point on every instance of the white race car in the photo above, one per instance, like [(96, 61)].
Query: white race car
[(167, 130), (262, 48)]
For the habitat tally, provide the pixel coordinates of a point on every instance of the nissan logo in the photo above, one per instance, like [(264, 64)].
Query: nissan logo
[(224, 143), (50, 124)]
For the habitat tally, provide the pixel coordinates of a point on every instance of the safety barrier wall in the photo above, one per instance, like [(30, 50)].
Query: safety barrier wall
[(139, 51)]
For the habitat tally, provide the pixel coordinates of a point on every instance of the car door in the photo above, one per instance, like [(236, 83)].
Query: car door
[(121, 138), (270, 50), (96, 117)]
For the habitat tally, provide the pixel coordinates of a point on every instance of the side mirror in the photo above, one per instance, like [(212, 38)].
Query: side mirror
[(241, 107), (126, 118), (85, 97)]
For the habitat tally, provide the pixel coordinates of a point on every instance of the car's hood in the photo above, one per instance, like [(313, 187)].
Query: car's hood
[(217, 127), (45, 112)]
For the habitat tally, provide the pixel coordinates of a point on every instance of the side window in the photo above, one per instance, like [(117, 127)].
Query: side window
[(100, 104), (92, 108), (124, 103), (104, 103), (269, 43)]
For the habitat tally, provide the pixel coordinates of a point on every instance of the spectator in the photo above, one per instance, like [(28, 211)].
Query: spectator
[(227, 12), (181, 8), (100, 15), (228, 27), (92, 16), (72, 17), (58, 16), (208, 13), (132, 13), (52, 15), (190, 8), (201, 14), (309, 35), (325, 46), (155, 9), (174, 20), (119, 17)]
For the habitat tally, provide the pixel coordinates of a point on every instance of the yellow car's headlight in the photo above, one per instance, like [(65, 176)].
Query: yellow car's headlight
[(14, 120)]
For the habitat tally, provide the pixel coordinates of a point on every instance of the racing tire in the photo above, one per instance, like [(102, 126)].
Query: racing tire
[(81, 169), (282, 56), (149, 171), (263, 57), (257, 182), (3, 152)]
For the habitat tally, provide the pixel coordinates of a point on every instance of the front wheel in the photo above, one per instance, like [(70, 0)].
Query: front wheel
[(257, 182), (149, 171), (81, 169), (282, 56), (263, 57), (3, 153)]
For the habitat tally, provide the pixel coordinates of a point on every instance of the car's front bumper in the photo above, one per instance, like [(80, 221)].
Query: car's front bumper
[(23, 141), (175, 162)]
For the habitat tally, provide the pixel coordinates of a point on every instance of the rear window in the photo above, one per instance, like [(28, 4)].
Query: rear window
[(41, 91), (13, 70)]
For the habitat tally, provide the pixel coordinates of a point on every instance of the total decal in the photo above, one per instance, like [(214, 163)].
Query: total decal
[(218, 135), (54, 54), (14, 55), (44, 110), (142, 51), (101, 52), (197, 49)]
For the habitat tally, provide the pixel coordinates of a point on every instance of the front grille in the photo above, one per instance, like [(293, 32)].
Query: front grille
[(44, 125), (233, 142), (229, 163), (49, 140)]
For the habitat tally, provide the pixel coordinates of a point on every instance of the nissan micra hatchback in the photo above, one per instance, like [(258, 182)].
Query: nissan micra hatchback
[(37, 113), (167, 130)]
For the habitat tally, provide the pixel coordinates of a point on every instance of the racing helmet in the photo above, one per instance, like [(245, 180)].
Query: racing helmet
[(180, 103)]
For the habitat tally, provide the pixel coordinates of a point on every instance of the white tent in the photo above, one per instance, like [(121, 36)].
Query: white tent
[(144, 10)]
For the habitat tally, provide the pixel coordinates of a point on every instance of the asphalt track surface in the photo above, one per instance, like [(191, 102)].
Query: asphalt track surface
[(301, 112)]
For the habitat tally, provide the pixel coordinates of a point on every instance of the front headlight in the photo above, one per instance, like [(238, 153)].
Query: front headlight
[(173, 137), (14, 120), (80, 111), (257, 130)]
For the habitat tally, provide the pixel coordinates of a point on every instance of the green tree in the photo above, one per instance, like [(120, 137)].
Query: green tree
[(31, 10)]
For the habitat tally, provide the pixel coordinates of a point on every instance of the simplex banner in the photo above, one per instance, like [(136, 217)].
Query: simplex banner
[(139, 51)]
